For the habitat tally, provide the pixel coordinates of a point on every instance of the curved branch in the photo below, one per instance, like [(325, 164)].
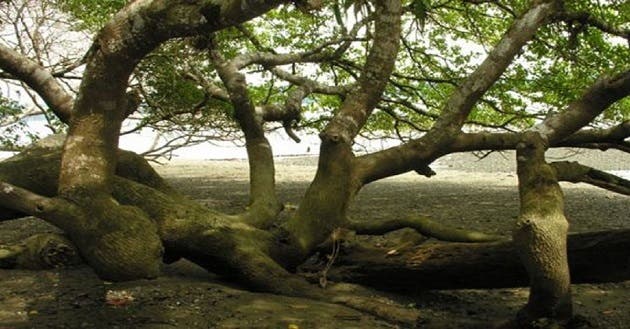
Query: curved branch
[(611, 137), (290, 110), (268, 57), (314, 55), (461, 102), (379, 65), (613, 134), (319, 214), (264, 204), (580, 112), (316, 86), (90, 153), (39, 79), (210, 88)]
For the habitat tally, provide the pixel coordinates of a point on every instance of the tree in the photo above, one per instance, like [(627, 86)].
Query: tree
[(375, 72)]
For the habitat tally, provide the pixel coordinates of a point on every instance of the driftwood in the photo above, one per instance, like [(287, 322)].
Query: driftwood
[(593, 257)]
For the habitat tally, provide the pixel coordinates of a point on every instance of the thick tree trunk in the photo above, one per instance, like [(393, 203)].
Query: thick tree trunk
[(325, 203), (541, 233), (593, 257), (221, 243), (218, 242)]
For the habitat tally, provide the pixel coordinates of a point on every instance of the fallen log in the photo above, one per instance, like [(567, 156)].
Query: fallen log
[(593, 257)]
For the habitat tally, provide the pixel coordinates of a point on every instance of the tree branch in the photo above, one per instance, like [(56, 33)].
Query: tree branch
[(424, 150), (603, 139), (54, 210), (268, 57), (128, 37), (39, 79), (577, 173), (586, 18), (462, 100), (422, 225), (594, 257), (264, 204), (580, 112), (316, 86), (379, 65), (314, 55)]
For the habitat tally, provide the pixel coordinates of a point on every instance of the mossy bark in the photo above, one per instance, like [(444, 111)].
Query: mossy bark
[(142, 205), (118, 241)]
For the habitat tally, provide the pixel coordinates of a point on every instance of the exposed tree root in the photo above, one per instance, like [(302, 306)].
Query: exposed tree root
[(422, 225)]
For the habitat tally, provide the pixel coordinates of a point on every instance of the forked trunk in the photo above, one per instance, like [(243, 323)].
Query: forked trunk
[(324, 206)]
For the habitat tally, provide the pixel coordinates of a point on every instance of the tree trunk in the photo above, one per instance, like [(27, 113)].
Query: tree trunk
[(540, 235), (593, 257), (264, 205), (323, 208), (324, 205)]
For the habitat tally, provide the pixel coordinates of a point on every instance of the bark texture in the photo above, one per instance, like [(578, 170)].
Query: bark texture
[(540, 235)]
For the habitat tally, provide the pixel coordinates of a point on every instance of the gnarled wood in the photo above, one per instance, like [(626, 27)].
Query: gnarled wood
[(435, 143)]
